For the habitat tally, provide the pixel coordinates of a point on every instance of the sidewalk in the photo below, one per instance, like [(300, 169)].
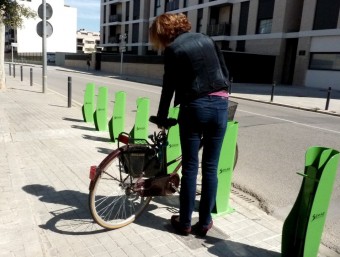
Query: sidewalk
[(47, 151)]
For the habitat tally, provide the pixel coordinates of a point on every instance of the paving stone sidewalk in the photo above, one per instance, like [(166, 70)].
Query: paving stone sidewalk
[(46, 152)]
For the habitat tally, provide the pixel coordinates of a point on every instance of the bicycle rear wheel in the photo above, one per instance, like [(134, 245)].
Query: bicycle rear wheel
[(112, 201)]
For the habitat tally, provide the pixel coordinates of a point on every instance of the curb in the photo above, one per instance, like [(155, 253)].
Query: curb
[(288, 106)]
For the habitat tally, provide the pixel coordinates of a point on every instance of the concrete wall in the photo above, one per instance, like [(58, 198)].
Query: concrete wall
[(131, 69)]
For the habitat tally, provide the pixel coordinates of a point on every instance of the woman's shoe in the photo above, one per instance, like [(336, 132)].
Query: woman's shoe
[(200, 230), (178, 227)]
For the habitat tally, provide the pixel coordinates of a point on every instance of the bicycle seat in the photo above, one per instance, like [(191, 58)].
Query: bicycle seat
[(163, 123)]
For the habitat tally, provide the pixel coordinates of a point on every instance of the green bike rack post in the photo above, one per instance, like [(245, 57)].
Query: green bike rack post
[(302, 229), (225, 170), (141, 128), (173, 149), (117, 122), (88, 106), (100, 115)]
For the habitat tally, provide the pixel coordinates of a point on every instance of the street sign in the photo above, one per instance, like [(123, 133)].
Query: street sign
[(49, 11), (14, 44), (49, 29), (122, 49)]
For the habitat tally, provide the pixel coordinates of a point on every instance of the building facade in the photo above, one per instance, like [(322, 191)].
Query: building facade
[(301, 36), (87, 42), (61, 29)]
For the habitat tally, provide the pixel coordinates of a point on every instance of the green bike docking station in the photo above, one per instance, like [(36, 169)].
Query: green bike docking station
[(225, 170), (302, 229), (117, 122), (88, 107), (173, 149), (225, 165), (100, 115), (140, 129)]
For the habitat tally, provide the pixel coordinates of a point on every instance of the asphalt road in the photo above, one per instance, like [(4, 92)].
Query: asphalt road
[(272, 142)]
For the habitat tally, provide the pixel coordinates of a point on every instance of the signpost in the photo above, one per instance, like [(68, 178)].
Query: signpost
[(44, 30), (13, 45), (122, 49)]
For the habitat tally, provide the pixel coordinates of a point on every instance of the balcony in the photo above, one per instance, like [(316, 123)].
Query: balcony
[(222, 29), (115, 18), (114, 39)]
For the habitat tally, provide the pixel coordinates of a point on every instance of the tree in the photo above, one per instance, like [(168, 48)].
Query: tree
[(11, 15)]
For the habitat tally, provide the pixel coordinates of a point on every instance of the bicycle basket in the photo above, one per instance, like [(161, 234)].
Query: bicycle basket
[(140, 158), (232, 106)]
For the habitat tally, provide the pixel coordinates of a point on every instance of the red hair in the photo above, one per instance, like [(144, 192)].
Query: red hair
[(166, 27)]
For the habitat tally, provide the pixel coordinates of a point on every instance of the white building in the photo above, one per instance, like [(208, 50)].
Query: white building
[(64, 25), (87, 42)]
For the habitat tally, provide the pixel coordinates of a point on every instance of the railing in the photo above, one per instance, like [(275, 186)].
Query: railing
[(115, 18), (222, 29)]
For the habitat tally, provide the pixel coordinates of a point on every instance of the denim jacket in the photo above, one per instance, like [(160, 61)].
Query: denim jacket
[(193, 67)]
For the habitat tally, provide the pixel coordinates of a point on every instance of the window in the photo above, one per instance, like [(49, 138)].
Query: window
[(127, 11), (326, 14), (325, 61), (265, 27), (199, 20), (136, 9), (243, 23), (265, 16), (135, 34), (171, 5), (157, 6)]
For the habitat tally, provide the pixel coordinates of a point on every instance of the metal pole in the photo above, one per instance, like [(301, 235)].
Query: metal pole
[(13, 70), (273, 90), (21, 73), (12, 54), (121, 62), (69, 91), (44, 76), (10, 69), (31, 76), (328, 98)]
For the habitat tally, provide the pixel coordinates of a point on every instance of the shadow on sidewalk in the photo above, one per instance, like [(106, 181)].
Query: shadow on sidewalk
[(73, 217), (73, 120), (217, 242)]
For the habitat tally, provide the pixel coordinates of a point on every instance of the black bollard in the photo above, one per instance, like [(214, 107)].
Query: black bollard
[(10, 69), (13, 70), (328, 97), (31, 76), (273, 90), (69, 87), (21, 73), (231, 82)]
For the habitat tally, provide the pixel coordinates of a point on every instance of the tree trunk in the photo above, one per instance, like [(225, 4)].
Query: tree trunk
[(2, 57)]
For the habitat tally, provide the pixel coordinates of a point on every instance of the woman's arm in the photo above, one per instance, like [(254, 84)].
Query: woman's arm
[(169, 80)]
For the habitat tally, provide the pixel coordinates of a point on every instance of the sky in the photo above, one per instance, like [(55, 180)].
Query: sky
[(88, 12)]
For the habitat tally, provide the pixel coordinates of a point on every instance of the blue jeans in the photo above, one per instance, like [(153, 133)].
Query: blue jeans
[(206, 118)]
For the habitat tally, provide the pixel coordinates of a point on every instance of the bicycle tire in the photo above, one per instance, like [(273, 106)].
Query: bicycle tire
[(112, 202)]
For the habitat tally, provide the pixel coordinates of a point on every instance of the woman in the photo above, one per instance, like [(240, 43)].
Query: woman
[(194, 70)]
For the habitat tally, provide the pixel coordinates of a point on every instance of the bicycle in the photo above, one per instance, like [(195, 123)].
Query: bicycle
[(124, 183)]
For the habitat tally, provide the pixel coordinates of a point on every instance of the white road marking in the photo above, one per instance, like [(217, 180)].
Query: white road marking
[(294, 122)]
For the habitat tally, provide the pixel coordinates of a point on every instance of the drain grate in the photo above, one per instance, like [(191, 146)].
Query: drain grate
[(244, 197)]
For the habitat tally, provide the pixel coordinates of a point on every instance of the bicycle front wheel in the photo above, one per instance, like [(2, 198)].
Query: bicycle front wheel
[(113, 203)]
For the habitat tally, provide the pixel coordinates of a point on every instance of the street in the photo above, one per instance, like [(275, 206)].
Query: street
[(272, 142)]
